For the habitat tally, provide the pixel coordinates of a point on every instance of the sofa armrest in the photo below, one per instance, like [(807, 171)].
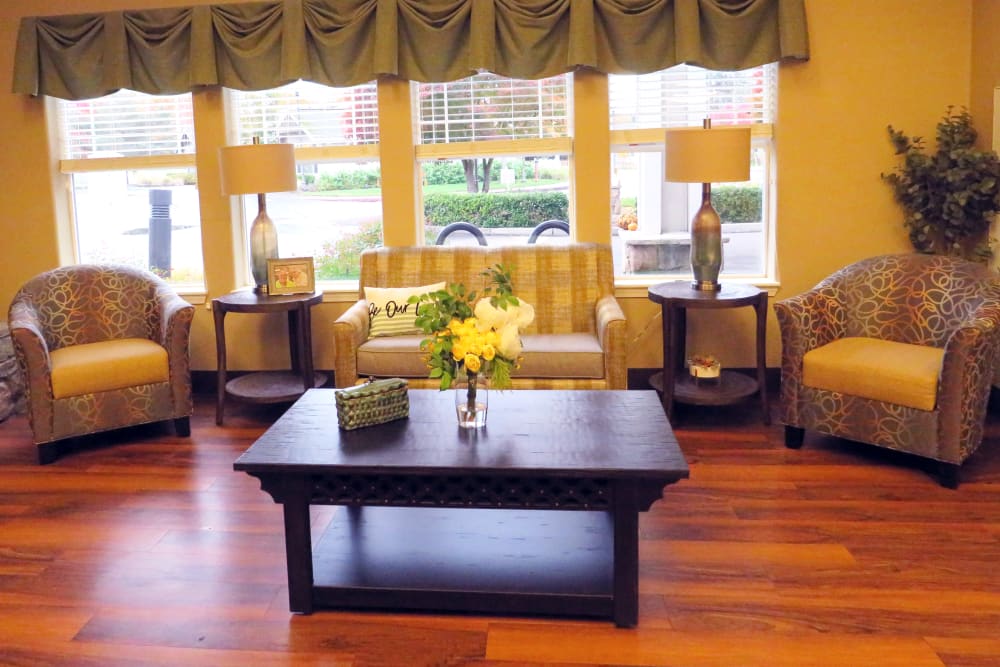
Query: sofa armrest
[(350, 330), (611, 333), (33, 358), (970, 358)]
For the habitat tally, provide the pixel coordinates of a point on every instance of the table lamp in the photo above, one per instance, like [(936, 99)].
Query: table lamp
[(258, 169), (707, 155)]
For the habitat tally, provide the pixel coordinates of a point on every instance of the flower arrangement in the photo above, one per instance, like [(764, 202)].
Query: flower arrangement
[(473, 334)]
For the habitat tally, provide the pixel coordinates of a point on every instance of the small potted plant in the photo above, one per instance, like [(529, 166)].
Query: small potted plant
[(704, 366)]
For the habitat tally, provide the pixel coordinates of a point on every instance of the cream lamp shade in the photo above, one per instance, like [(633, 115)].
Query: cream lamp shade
[(257, 168), (713, 155), (707, 155)]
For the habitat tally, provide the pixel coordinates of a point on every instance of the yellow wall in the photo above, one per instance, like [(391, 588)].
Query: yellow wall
[(899, 62), (985, 66)]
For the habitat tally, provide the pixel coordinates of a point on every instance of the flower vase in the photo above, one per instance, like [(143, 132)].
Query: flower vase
[(472, 398)]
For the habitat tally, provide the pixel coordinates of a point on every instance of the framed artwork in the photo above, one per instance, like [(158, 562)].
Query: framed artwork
[(291, 275)]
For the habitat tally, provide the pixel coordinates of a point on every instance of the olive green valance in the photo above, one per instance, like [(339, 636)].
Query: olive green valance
[(260, 45)]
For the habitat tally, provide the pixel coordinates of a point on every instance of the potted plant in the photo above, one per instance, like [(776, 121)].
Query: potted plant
[(951, 196)]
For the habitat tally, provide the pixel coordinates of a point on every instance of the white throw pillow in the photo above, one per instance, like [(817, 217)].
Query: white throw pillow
[(389, 314)]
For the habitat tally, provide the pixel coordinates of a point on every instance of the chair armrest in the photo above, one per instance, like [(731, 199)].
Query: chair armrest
[(33, 357), (350, 330), (611, 333), (176, 332), (171, 306), (967, 369), (806, 321)]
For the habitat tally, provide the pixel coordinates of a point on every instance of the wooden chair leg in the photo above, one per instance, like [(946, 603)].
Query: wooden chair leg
[(183, 426), (48, 452), (948, 475), (794, 437)]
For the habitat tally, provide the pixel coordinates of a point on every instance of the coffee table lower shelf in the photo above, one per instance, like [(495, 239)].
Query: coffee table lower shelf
[(475, 560)]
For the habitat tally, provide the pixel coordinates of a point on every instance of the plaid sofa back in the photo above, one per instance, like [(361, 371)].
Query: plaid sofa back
[(562, 282)]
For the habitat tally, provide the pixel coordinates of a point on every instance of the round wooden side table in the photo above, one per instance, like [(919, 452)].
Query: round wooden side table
[(267, 386), (674, 382)]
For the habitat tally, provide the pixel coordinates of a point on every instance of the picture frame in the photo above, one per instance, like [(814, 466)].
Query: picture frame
[(291, 275)]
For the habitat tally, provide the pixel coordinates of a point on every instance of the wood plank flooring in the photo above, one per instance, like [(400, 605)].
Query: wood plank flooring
[(147, 549)]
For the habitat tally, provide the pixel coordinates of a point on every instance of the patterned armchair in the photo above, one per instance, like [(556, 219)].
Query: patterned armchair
[(896, 351), (101, 347)]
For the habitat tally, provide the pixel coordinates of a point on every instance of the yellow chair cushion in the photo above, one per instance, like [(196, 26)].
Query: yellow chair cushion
[(108, 365), (881, 370)]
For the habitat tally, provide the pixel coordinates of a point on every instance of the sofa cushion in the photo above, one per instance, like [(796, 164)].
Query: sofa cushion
[(543, 356), (568, 355), (114, 364), (392, 356), (390, 314), (881, 370)]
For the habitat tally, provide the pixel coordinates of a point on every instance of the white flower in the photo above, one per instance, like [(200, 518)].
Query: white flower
[(487, 316), (524, 314), (490, 316), (510, 342)]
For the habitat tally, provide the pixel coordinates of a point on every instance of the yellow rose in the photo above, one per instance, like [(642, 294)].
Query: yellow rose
[(458, 350), (489, 352), (472, 363), (454, 325)]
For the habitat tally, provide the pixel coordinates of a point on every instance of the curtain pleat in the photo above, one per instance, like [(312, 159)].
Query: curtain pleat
[(532, 38), (340, 41), (156, 43), (260, 45), (248, 45), (433, 40)]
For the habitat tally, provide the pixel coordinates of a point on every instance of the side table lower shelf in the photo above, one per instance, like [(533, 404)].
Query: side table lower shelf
[(270, 386), (731, 387)]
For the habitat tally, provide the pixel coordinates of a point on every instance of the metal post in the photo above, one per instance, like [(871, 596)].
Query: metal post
[(159, 232)]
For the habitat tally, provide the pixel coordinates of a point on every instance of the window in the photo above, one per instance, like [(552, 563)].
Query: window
[(130, 160), (493, 156), (651, 218), (337, 211)]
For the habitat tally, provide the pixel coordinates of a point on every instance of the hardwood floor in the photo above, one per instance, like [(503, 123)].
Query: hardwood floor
[(148, 549)]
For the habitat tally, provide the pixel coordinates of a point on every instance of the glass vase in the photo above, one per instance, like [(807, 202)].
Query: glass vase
[(472, 399)]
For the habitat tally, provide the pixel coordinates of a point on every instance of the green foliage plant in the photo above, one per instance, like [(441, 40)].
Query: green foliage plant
[(341, 259), (738, 203), (949, 197), (515, 209)]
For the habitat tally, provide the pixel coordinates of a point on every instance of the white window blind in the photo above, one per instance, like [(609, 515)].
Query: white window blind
[(488, 107), (308, 115), (126, 124), (685, 95)]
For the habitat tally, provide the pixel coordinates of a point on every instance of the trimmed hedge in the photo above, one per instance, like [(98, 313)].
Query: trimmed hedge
[(516, 209), (736, 203)]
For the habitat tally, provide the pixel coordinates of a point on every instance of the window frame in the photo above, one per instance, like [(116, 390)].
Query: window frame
[(66, 168), (489, 148), (327, 154)]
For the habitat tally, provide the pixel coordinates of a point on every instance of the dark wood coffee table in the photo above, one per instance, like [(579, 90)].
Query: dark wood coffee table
[(443, 518)]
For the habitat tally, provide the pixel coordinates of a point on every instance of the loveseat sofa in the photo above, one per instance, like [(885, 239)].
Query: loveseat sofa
[(577, 340)]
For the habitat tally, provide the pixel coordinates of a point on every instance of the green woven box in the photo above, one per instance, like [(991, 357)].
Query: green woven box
[(374, 402)]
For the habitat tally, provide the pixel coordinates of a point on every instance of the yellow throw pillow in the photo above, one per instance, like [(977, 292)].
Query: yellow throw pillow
[(390, 314)]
